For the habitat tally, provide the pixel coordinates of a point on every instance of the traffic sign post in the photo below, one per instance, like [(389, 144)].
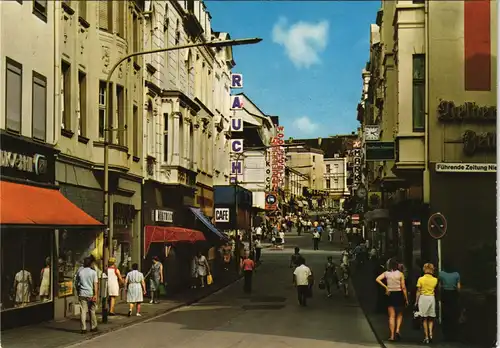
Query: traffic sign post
[(437, 225)]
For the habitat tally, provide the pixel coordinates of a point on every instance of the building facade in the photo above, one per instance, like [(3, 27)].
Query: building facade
[(258, 129), (84, 113), (30, 127), (336, 180), (440, 113), (309, 162)]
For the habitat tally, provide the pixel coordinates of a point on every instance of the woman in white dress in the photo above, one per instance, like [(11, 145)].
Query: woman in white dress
[(114, 281), (203, 268), (136, 288), (45, 281)]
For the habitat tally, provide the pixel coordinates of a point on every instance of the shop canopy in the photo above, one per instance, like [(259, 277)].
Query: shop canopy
[(200, 216), (31, 206), (159, 234)]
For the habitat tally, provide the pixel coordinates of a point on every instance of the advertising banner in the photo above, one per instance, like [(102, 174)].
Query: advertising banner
[(278, 159)]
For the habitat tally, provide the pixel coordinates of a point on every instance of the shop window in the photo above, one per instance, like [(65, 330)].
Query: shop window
[(26, 268), (74, 246)]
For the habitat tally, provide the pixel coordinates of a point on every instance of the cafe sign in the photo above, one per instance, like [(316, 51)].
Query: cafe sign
[(36, 164)]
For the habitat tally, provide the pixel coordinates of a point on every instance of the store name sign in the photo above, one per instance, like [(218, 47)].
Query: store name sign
[(482, 142), (221, 214), (468, 112), (278, 158), (466, 167), (163, 216), (31, 164), (236, 126)]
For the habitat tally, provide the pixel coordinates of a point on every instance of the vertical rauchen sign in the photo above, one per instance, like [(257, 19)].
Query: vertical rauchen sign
[(278, 158), (236, 165)]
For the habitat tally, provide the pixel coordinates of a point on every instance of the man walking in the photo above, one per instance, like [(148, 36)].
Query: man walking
[(316, 238), (302, 277), (86, 285), (258, 250)]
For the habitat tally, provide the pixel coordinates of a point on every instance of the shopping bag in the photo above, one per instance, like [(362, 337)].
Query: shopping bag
[(210, 279), (162, 290)]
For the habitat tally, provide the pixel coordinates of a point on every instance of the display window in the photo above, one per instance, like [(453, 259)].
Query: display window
[(74, 246), (26, 265), (122, 247)]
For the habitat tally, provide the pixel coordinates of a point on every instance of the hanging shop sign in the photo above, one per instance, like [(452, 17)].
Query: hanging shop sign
[(236, 81), (271, 201), (221, 214), (236, 167), (268, 173), (466, 167), (380, 151), (357, 162), (236, 124), (278, 158), (236, 102)]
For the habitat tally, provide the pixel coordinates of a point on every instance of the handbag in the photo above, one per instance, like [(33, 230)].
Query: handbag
[(417, 321), (210, 279), (162, 290), (321, 284)]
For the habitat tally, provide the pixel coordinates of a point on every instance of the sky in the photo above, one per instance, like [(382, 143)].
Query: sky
[(307, 69)]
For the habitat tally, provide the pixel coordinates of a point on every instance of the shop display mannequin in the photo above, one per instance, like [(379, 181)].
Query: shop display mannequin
[(45, 281), (23, 283)]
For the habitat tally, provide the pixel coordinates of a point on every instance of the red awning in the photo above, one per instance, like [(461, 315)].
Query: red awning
[(25, 205), (161, 234)]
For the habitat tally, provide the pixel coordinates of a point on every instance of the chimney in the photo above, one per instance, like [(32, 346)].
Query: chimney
[(319, 141)]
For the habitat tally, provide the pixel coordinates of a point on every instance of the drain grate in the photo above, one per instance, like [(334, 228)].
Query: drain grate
[(268, 299), (262, 307)]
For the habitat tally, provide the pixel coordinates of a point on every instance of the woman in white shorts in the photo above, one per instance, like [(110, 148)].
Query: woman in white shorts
[(426, 301)]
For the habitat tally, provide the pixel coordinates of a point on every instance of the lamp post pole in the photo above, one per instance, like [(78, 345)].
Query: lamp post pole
[(108, 233)]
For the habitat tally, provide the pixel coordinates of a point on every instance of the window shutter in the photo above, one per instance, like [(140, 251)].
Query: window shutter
[(103, 14)]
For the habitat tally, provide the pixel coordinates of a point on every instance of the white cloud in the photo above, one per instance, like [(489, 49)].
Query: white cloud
[(303, 41), (304, 125)]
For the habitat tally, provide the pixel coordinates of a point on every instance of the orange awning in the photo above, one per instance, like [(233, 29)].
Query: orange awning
[(25, 205)]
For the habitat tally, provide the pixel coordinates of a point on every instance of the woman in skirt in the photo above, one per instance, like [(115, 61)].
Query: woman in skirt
[(426, 301), (397, 297), (136, 288)]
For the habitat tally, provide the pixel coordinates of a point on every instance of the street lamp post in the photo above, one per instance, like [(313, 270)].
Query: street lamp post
[(107, 236)]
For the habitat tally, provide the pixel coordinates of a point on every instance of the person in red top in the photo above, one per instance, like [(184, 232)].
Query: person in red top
[(247, 266)]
